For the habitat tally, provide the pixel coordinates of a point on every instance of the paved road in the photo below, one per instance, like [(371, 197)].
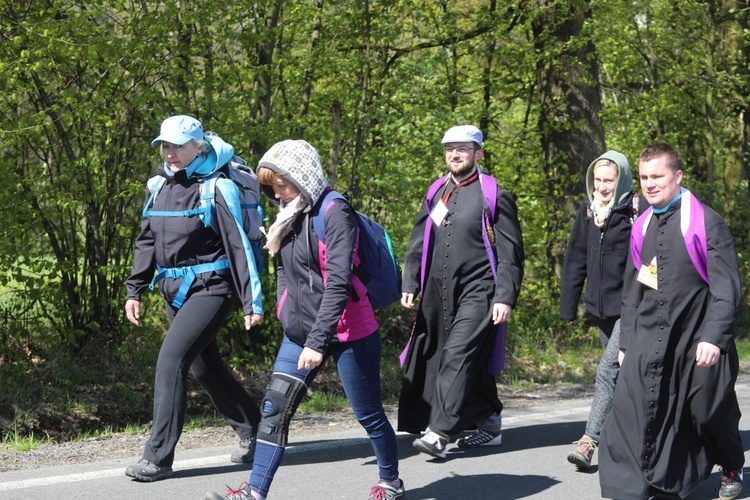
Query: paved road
[(339, 465)]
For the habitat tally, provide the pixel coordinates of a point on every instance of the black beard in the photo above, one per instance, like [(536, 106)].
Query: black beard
[(463, 171)]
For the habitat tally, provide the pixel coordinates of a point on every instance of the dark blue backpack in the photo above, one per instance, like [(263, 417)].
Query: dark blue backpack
[(379, 269)]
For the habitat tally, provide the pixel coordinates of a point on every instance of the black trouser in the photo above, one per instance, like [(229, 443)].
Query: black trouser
[(190, 344)]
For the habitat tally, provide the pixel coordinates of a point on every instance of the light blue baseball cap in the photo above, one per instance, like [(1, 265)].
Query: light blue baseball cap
[(178, 130), (463, 133)]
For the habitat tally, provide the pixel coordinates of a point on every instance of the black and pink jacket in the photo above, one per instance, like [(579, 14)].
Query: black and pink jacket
[(320, 300), (316, 303)]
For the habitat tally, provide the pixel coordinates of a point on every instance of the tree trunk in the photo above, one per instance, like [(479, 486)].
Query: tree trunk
[(569, 124)]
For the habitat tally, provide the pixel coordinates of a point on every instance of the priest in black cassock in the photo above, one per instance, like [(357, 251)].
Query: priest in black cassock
[(675, 413), (447, 386)]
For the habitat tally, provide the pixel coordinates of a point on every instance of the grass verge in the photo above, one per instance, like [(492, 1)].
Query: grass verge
[(68, 399)]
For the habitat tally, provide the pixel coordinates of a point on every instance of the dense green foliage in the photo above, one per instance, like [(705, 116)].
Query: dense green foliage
[(84, 86)]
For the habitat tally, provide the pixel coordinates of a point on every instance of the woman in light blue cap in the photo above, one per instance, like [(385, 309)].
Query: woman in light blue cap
[(202, 263)]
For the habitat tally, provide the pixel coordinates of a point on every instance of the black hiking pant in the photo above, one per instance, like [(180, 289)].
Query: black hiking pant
[(190, 345)]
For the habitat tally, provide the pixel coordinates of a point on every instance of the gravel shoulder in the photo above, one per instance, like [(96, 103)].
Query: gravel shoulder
[(130, 445)]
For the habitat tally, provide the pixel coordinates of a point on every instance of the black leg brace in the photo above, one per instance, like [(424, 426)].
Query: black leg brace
[(283, 396)]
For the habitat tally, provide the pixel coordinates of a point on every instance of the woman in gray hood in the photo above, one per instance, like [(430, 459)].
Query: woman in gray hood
[(596, 254), (324, 312)]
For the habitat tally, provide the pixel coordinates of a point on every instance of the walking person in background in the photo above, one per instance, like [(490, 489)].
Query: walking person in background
[(468, 268), (596, 254), (675, 413), (325, 312), (200, 270)]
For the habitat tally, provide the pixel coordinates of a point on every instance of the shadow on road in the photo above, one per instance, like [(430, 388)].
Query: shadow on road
[(493, 485)]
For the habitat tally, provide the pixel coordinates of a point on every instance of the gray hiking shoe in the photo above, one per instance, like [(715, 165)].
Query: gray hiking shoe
[(146, 471), (581, 456), (245, 452)]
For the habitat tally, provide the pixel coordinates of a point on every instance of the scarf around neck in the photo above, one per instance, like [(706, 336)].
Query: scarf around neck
[(601, 212), (283, 224)]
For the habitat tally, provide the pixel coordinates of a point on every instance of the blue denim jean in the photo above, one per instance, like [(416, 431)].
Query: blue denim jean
[(358, 364)]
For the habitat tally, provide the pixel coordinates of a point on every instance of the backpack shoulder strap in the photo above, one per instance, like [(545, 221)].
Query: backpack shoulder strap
[(154, 185), (231, 194), (318, 215), (208, 198)]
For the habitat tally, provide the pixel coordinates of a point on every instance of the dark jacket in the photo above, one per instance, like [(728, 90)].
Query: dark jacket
[(184, 241), (314, 310), (597, 256)]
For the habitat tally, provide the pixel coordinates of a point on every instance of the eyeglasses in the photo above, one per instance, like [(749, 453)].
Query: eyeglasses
[(462, 150)]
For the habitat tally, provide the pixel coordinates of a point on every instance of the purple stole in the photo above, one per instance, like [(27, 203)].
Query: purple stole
[(692, 225)]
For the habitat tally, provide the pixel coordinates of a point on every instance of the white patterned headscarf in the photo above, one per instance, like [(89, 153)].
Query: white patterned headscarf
[(297, 161)]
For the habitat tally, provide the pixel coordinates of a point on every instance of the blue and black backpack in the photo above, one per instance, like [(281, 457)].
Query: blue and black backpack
[(379, 269)]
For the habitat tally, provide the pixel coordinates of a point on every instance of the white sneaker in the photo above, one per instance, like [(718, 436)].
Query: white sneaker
[(431, 443)]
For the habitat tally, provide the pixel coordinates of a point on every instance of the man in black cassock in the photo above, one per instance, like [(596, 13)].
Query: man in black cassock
[(675, 413), (447, 387)]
